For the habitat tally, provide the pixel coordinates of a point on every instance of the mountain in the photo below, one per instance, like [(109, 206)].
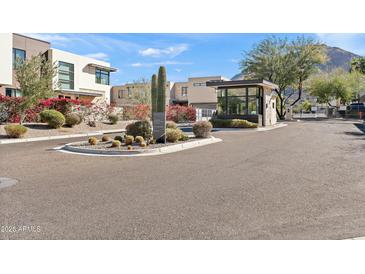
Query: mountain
[(337, 58)]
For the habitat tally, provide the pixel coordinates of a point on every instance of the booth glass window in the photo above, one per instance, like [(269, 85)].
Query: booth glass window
[(240, 101)]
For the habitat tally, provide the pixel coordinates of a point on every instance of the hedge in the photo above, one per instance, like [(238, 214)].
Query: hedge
[(232, 123)]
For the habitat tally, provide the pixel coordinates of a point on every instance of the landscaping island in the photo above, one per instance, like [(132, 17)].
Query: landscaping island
[(138, 139), (105, 148)]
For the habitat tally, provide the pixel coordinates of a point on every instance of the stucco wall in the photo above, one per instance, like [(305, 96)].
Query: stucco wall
[(196, 95), (269, 108), (6, 63), (84, 75), (8, 41), (134, 87)]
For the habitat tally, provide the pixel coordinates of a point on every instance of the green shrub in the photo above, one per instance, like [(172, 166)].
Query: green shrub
[(119, 138), (113, 118), (93, 141), (72, 119), (129, 139), (116, 143), (15, 131), (129, 147), (171, 124), (140, 128), (53, 118), (105, 138), (202, 129), (233, 123), (139, 139), (173, 134), (184, 137), (143, 144)]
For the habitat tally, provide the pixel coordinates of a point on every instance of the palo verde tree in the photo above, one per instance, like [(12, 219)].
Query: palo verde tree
[(142, 92), (307, 55), (271, 60), (358, 64), (287, 64), (35, 79), (336, 85)]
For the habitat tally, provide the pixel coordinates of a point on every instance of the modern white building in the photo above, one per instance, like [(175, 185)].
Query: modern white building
[(78, 77), (6, 63)]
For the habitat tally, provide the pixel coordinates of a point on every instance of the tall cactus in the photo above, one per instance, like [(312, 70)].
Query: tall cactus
[(161, 89), (154, 93), (158, 94)]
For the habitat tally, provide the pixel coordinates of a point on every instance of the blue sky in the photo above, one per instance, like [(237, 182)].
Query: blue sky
[(185, 55)]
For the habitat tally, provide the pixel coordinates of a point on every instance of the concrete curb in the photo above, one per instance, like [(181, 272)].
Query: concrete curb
[(68, 148), (357, 238), (249, 129), (57, 137)]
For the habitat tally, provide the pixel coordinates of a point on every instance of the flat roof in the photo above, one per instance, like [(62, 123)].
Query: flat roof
[(73, 92), (241, 83), (102, 67)]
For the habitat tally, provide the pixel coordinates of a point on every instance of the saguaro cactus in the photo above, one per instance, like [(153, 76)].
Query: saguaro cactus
[(154, 93), (161, 89), (158, 93)]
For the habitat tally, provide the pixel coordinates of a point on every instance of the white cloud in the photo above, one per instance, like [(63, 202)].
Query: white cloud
[(98, 55), (162, 63), (171, 52), (178, 70), (234, 60), (49, 37)]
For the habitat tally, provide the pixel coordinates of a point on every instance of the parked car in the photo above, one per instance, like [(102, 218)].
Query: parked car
[(356, 107), (354, 110)]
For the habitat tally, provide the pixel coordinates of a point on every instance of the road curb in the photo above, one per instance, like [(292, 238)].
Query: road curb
[(57, 137), (68, 148), (249, 129)]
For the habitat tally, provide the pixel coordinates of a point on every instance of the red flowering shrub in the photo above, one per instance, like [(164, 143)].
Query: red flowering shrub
[(10, 111), (180, 114), (137, 112), (142, 112), (62, 105)]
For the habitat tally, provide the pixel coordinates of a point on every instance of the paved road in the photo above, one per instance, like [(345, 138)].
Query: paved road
[(303, 181)]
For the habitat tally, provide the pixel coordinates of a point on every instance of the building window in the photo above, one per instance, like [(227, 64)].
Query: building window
[(199, 84), (102, 77), (12, 92), (239, 101), (66, 75), (18, 57), (184, 91)]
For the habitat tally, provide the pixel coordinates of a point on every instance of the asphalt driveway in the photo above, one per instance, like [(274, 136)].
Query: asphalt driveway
[(303, 181)]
